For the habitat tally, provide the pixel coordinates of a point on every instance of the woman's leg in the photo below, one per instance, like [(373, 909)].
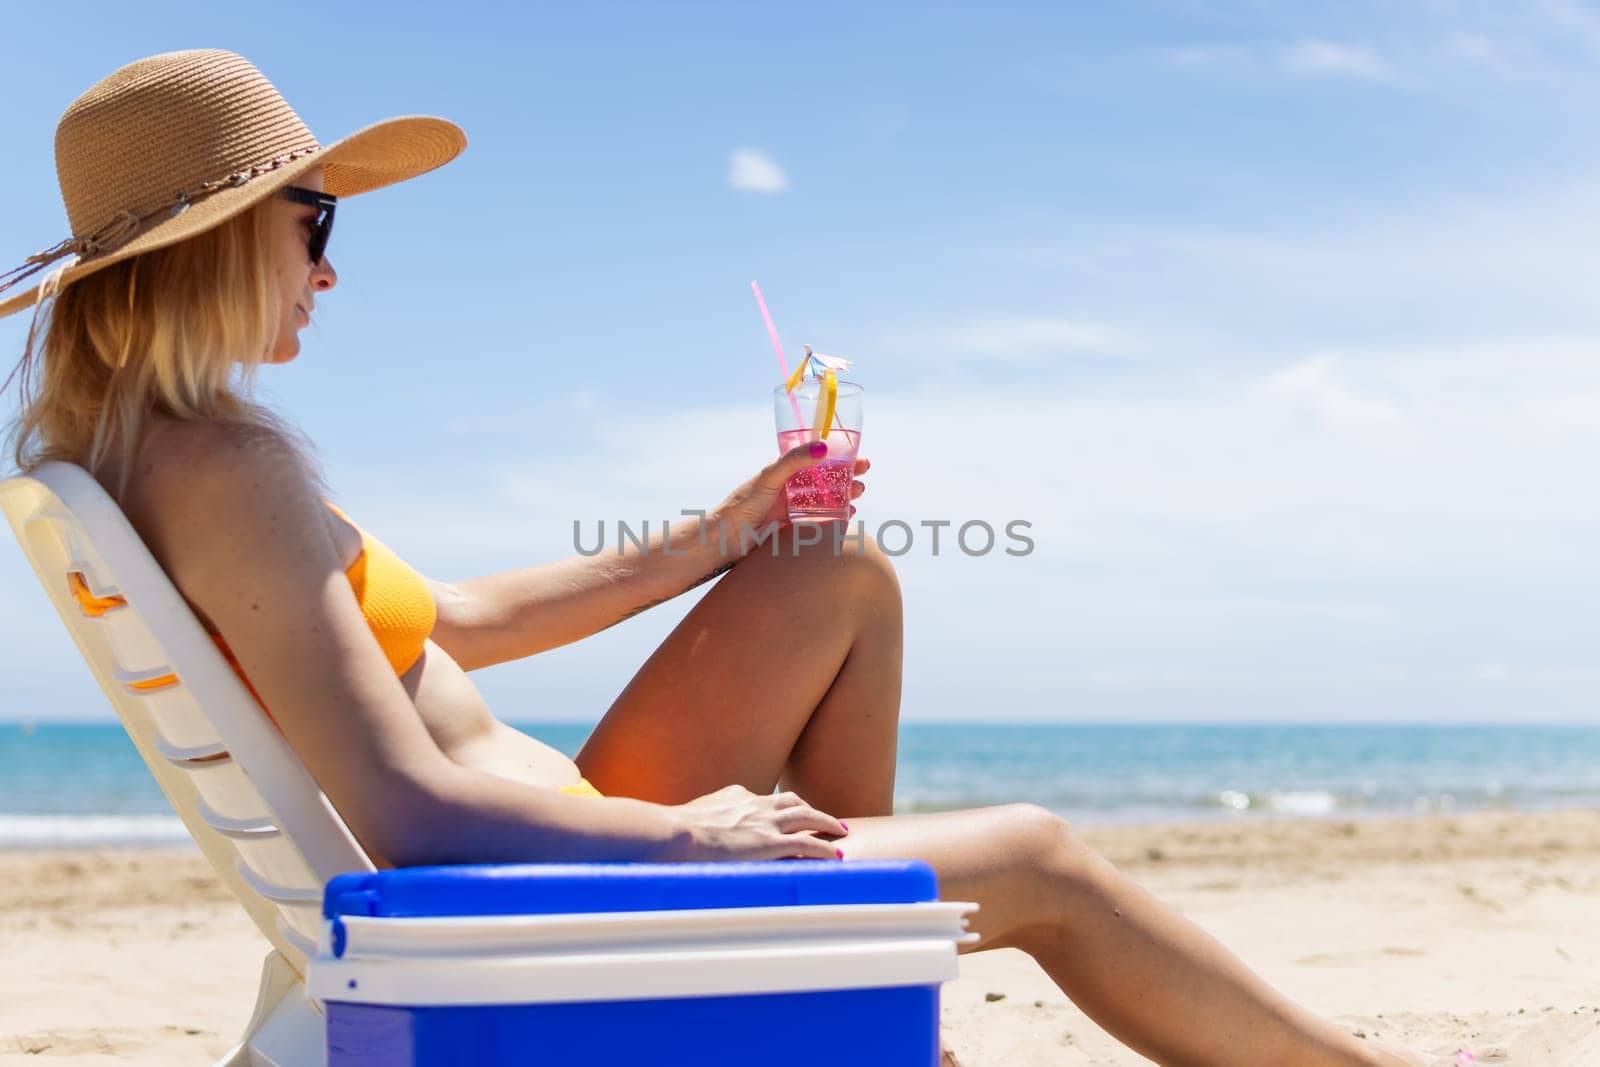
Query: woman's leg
[(1147, 975), (787, 671)]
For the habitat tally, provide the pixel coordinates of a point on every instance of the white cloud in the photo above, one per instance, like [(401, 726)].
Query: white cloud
[(1556, 42), (1261, 542), (1305, 525), (1416, 462), (1460, 266), (1328, 59), (1309, 58), (1499, 673), (1024, 338), (1575, 20), (1318, 388), (1018, 339), (754, 172), (1549, 45), (1492, 672)]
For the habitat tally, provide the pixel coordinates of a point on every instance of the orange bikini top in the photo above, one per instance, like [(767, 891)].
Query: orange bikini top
[(395, 600)]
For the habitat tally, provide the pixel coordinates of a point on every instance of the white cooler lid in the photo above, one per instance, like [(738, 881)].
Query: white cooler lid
[(532, 959)]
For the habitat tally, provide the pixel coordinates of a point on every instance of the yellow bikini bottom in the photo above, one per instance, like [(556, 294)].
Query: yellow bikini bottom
[(581, 788)]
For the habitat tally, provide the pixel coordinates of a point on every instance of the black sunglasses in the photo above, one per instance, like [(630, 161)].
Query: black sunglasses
[(322, 224)]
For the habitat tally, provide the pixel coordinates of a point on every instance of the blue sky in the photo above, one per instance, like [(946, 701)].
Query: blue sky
[(1276, 320)]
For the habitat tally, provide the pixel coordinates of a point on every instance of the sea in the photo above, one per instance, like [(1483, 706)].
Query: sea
[(84, 784)]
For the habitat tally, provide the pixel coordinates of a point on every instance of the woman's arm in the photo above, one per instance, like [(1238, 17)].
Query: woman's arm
[(520, 613), (240, 530)]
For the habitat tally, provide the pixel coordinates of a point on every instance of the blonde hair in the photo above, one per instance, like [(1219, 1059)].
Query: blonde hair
[(174, 333)]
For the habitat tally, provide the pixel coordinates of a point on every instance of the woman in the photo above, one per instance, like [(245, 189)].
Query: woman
[(202, 209)]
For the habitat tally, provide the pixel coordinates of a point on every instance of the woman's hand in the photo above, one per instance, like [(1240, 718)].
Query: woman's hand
[(736, 824), (759, 502)]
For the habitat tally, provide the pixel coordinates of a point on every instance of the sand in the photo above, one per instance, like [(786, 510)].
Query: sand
[(1478, 932)]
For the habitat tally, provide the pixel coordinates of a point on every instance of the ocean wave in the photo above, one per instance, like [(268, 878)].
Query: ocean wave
[(45, 831), (1118, 803), (1305, 802)]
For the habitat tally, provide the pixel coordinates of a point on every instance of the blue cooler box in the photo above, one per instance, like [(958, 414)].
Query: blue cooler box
[(772, 964)]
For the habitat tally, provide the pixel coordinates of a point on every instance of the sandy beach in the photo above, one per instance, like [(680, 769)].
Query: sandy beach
[(1479, 932)]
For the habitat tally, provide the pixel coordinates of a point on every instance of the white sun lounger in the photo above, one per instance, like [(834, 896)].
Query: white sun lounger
[(269, 832)]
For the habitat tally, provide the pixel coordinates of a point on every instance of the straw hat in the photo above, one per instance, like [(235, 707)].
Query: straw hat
[(176, 144)]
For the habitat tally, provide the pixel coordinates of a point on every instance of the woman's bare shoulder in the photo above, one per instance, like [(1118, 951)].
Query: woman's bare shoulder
[(213, 461), (204, 492), (221, 447)]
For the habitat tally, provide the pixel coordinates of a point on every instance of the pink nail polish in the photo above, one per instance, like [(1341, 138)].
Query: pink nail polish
[(845, 825), (840, 851), (819, 449)]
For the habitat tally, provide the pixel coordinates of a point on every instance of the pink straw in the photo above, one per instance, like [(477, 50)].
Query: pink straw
[(777, 347)]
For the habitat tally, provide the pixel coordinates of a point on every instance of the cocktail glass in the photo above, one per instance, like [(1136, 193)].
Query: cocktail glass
[(820, 493)]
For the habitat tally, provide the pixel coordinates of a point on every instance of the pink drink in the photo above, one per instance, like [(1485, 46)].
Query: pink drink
[(822, 493)]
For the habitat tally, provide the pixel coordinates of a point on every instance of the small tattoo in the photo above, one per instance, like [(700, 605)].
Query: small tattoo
[(642, 608), (723, 569)]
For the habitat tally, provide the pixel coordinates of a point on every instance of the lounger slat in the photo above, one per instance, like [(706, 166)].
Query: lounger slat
[(178, 718), (306, 945), (306, 921), (187, 758), (134, 646), (222, 785), (239, 829), (281, 894), (133, 680)]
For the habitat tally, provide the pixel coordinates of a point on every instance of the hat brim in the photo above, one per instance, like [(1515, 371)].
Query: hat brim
[(381, 154)]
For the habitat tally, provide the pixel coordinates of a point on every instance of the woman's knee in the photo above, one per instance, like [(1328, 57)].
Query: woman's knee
[(867, 549), (870, 564), (1043, 842), (847, 550), (1035, 865)]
